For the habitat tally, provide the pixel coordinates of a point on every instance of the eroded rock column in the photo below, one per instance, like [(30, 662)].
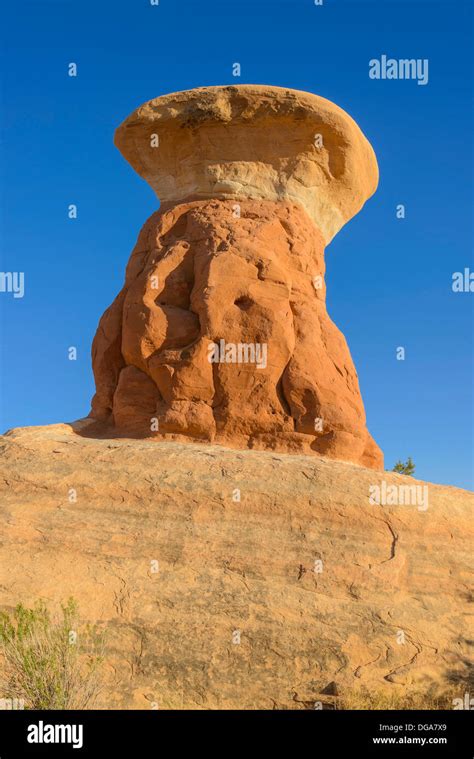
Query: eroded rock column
[(220, 332)]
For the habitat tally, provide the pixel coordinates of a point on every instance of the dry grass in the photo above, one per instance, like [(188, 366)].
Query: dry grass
[(364, 699), (49, 663)]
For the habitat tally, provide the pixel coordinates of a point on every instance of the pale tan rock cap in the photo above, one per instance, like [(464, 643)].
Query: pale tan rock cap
[(252, 141)]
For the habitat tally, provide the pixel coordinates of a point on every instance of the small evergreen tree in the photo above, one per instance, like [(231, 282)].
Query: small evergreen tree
[(405, 468)]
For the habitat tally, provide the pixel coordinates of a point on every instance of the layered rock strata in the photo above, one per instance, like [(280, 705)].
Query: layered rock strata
[(240, 579), (220, 332)]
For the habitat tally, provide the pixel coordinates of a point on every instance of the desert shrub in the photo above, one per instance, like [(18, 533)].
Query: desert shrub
[(405, 468), (48, 662)]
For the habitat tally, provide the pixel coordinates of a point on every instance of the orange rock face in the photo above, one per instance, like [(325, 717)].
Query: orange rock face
[(319, 581), (221, 334), (221, 331)]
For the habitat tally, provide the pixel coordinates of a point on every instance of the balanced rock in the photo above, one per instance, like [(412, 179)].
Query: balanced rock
[(220, 332)]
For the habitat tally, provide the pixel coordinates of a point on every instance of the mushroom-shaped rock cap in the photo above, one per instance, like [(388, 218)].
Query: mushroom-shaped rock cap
[(252, 141)]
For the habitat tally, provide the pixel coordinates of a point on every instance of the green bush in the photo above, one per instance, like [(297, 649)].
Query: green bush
[(405, 468), (47, 662)]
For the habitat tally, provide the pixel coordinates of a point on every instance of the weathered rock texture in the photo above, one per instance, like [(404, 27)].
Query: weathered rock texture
[(228, 566), (251, 141), (250, 195), (247, 273)]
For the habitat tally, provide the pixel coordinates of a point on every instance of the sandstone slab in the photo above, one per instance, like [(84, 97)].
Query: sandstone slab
[(313, 580)]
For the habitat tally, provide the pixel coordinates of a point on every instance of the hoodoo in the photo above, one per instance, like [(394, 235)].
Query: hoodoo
[(253, 181)]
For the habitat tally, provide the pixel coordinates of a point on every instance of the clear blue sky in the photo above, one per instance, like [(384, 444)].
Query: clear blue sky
[(389, 280)]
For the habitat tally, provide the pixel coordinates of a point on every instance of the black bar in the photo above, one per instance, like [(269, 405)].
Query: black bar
[(306, 733)]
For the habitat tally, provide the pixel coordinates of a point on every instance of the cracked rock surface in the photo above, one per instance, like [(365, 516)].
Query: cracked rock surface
[(317, 581)]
